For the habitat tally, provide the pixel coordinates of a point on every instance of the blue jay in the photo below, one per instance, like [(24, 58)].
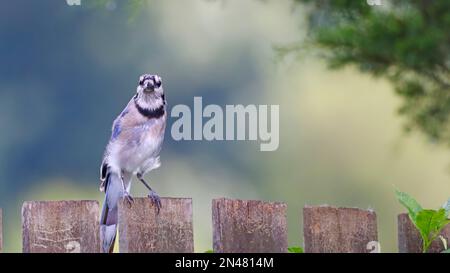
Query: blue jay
[(133, 149)]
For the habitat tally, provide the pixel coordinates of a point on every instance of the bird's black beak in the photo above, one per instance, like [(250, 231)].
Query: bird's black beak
[(150, 86)]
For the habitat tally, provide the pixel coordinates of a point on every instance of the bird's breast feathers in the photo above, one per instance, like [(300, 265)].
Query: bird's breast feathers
[(134, 143)]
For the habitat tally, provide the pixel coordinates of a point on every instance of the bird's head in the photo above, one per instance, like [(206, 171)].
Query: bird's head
[(150, 84), (150, 94)]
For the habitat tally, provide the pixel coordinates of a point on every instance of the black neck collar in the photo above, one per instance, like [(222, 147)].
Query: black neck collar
[(150, 113)]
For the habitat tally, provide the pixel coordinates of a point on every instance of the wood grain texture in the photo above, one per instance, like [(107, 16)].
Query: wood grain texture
[(244, 226), (141, 229), (60, 226), (329, 229), (409, 239)]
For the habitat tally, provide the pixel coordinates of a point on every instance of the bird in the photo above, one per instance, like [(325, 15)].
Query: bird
[(133, 149)]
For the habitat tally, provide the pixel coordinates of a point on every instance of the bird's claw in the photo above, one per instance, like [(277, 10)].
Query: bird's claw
[(156, 200), (128, 198)]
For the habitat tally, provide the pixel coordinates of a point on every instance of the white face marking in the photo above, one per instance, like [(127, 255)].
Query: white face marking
[(150, 82), (150, 98)]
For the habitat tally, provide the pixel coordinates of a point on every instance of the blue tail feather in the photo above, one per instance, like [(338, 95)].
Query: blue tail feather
[(108, 219)]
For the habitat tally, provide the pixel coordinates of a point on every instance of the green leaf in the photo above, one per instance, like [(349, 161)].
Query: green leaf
[(209, 251), (295, 249), (410, 203), (430, 223)]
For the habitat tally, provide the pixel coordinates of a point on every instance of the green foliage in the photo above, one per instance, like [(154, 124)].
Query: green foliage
[(429, 222), (404, 41), (410, 203), (209, 251), (295, 249)]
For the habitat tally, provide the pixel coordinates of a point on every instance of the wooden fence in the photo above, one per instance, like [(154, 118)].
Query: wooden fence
[(238, 226)]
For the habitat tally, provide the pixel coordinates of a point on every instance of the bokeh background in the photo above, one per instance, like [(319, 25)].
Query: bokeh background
[(67, 71)]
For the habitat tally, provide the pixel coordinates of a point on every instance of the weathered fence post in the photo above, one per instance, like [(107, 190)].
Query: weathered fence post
[(249, 226), (409, 240), (60, 226), (1, 231), (142, 229), (330, 229)]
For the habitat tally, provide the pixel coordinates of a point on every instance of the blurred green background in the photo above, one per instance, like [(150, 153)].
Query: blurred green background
[(67, 71)]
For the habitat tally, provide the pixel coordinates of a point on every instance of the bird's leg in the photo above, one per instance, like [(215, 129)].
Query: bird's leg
[(152, 195), (126, 194)]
